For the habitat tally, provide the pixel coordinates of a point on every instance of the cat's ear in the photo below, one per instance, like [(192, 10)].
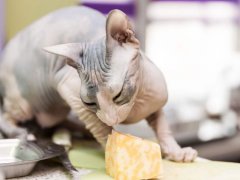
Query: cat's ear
[(119, 30), (72, 51)]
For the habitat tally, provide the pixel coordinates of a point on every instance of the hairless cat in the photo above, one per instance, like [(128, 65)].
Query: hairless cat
[(94, 69)]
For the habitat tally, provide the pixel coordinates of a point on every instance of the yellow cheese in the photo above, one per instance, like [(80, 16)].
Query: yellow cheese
[(132, 158)]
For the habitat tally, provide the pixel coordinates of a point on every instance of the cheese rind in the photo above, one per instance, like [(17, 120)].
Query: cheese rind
[(129, 157)]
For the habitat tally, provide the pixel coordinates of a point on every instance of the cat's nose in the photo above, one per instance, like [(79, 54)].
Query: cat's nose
[(111, 119)]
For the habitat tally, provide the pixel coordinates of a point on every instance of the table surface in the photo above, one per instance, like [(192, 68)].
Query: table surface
[(90, 162)]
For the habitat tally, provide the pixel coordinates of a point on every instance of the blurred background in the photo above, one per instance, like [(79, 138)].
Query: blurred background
[(196, 43)]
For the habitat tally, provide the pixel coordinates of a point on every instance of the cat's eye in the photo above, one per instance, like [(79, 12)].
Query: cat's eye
[(120, 98), (125, 95), (90, 103), (117, 96)]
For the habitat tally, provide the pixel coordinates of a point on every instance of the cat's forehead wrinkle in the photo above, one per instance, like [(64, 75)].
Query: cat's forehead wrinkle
[(94, 63), (108, 73), (121, 58)]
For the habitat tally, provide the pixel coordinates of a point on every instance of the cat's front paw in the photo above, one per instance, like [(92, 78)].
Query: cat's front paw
[(172, 151), (19, 133), (186, 154)]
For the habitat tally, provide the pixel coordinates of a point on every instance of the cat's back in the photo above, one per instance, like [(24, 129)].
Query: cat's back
[(25, 63), (72, 24)]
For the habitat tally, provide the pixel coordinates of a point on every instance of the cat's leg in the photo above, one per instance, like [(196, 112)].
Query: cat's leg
[(9, 128), (53, 116), (170, 148), (75, 124), (14, 110), (98, 129)]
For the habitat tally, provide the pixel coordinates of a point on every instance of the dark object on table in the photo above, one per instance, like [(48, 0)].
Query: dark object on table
[(19, 158)]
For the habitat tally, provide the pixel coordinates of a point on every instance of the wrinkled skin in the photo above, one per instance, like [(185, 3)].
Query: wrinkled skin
[(101, 76)]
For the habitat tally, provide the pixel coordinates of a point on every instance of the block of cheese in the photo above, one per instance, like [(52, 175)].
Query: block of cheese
[(128, 157)]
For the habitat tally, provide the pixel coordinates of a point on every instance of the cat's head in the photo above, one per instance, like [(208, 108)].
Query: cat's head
[(109, 69)]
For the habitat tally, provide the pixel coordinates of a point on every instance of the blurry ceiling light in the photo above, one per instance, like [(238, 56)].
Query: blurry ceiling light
[(191, 10), (220, 10), (168, 10), (190, 111)]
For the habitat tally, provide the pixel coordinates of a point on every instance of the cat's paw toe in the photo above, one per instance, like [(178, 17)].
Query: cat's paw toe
[(186, 154)]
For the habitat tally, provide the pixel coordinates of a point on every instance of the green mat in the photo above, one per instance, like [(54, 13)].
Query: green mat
[(88, 155)]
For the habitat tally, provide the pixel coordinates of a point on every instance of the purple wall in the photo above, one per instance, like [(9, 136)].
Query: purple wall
[(1, 24), (231, 1), (105, 6)]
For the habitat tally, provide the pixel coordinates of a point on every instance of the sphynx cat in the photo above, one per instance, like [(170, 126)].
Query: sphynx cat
[(94, 70)]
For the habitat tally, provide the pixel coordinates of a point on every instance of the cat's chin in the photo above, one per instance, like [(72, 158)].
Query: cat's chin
[(111, 123)]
